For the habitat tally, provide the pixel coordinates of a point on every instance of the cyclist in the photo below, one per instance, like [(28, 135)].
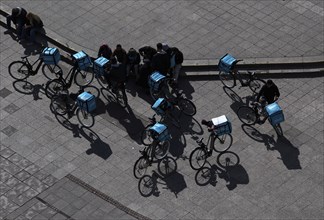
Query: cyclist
[(269, 93), (116, 73), (210, 127)]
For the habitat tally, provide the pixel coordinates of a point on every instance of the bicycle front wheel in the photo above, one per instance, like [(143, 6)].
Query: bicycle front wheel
[(161, 149), (53, 87), (85, 118), (146, 186), (255, 85), (187, 107), (146, 136), (227, 79), (121, 97), (198, 158), (246, 115), (83, 78), (52, 71), (59, 105), (18, 70), (223, 142), (140, 167)]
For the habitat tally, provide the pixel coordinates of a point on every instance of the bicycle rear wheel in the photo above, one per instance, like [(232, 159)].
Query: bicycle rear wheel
[(246, 115), (223, 142), (146, 136), (140, 167), (227, 79), (83, 78), (121, 97), (146, 186), (85, 118), (255, 85), (19, 70), (198, 158), (59, 105), (187, 107), (278, 129), (52, 71), (161, 149), (53, 87)]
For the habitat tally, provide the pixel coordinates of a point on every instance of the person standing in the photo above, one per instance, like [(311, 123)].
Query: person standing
[(161, 61), (18, 18), (105, 51), (176, 63), (121, 54)]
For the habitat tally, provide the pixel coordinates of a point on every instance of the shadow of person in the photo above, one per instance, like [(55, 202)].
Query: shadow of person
[(288, 152), (235, 175), (189, 125), (126, 117), (175, 183), (27, 88), (185, 86), (177, 142), (97, 146)]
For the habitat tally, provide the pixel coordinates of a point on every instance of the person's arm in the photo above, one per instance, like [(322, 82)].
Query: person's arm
[(277, 93), (260, 93)]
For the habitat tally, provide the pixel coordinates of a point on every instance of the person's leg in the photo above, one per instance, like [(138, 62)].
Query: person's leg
[(32, 35), (176, 72), (9, 21), (20, 26)]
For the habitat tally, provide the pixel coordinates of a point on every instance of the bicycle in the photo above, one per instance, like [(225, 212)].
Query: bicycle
[(158, 150), (160, 86), (22, 69), (228, 75), (62, 103), (251, 115), (218, 143), (80, 77), (185, 105)]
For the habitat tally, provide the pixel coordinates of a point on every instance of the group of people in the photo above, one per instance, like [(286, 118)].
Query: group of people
[(164, 59), (27, 24)]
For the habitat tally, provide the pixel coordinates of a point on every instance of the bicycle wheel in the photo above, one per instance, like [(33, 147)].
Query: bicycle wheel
[(187, 107), (52, 71), (228, 159), (146, 136), (146, 186), (83, 78), (198, 158), (223, 142), (246, 115), (59, 105), (278, 129), (203, 176), (53, 87), (19, 70), (227, 79), (102, 81), (161, 149), (85, 118), (167, 166), (140, 167), (255, 85), (121, 97)]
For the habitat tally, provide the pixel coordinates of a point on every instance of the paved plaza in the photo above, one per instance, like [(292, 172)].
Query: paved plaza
[(52, 168)]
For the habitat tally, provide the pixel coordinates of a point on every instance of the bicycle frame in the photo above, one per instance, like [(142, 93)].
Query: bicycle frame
[(71, 74), (237, 76), (33, 72)]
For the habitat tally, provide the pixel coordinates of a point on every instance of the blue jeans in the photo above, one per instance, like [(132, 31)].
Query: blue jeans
[(20, 25), (32, 33)]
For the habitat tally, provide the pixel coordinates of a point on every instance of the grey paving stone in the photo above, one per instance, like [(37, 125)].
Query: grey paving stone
[(9, 130), (5, 92), (12, 108), (6, 153)]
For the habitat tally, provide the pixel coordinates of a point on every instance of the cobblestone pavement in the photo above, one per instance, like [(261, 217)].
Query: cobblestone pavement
[(276, 178), (201, 29)]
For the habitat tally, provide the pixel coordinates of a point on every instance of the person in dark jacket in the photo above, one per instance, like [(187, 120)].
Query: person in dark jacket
[(117, 72), (105, 51), (176, 63), (161, 61), (269, 93), (132, 62), (147, 52), (121, 54), (18, 17), (33, 25)]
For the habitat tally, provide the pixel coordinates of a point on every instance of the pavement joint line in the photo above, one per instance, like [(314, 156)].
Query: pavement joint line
[(106, 198), (54, 208), (254, 63)]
